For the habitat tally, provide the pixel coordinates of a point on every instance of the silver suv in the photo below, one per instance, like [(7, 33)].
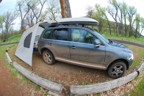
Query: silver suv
[(84, 46)]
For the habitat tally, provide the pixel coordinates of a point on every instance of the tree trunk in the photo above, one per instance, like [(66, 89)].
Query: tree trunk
[(130, 30), (109, 27), (65, 8), (100, 26)]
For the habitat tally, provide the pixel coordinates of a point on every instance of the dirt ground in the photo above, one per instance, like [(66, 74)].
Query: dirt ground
[(68, 74), (64, 73), (10, 86)]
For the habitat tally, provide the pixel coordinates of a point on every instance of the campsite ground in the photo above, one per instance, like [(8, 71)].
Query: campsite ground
[(68, 74), (14, 84)]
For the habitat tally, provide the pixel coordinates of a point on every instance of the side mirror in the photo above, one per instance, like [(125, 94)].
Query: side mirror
[(97, 42)]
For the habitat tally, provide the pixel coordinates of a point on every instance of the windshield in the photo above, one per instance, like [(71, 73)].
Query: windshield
[(102, 37)]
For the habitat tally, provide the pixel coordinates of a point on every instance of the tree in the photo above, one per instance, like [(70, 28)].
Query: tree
[(23, 10), (137, 23), (124, 12), (36, 8), (53, 10), (131, 11), (141, 24), (100, 16), (1, 21), (113, 11), (0, 1), (8, 19), (90, 12), (30, 11), (65, 8)]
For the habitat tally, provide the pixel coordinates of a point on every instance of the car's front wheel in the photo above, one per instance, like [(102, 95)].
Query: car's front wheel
[(117, 69), (48, 57)]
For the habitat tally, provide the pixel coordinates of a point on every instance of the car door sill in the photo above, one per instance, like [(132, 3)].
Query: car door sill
[(81, 64)]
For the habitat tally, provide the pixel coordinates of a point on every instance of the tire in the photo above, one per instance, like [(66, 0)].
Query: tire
[(48, 57), (117, 69)]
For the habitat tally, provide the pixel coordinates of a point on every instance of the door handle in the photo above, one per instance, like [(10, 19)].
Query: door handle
[(73, 47)]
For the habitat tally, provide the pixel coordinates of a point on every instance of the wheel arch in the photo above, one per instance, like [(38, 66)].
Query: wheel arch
[(120, 60), (46, 49)]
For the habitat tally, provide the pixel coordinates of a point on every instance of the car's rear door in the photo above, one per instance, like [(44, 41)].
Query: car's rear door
[(58, 42)]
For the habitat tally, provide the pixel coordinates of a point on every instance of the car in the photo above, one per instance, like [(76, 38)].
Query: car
[(74, 42)]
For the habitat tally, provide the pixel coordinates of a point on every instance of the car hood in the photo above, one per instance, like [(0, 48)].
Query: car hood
[(118, 45), (121, 46)]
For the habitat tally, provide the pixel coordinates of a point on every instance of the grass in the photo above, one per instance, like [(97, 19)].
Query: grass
[(138, 56), (139, 89), (37, 87), (14, 38), (139, 40)]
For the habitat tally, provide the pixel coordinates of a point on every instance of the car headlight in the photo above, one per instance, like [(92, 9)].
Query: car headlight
[(131, 57)]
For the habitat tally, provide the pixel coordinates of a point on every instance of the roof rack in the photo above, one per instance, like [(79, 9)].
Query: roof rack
[(70, 21)]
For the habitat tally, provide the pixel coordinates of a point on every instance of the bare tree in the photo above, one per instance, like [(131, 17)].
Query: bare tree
[(53, 10), (23, 10), (65, 8), (1, 21), (90, 12), (141, 24), (113, 11), (36, 8), (124, 12), (137, 23), (131, 11), (8, 19), (30, 11)]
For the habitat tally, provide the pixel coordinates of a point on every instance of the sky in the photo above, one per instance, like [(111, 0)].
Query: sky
[(78, 7)]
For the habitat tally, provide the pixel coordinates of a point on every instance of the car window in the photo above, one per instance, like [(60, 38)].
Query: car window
[(48, 34), (60, 34), (57, 34), (83, 36)]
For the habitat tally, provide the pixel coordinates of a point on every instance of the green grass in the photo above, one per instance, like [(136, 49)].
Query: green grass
[(37, 87), (138, 90), (14, 38), (139, 40)]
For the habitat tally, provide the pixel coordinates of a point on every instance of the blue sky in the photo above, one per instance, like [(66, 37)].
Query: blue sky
[(7, 5)]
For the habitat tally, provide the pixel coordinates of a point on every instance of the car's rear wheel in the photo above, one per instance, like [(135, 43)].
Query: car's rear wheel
[(117, 69), (48, 57)]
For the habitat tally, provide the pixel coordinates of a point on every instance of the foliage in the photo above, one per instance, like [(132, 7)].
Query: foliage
[(6, 24), (126, 20), (14, 38)]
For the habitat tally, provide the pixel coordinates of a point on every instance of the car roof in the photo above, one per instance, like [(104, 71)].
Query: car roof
[(69, 21)]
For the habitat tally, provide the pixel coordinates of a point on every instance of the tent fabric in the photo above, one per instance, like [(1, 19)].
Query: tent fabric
[(25, 47)]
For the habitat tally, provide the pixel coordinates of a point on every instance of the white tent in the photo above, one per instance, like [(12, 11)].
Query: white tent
[(31, 36), (28, 40)]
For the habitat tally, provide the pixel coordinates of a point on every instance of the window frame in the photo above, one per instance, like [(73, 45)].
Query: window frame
[(53, 32), (84, 30)]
